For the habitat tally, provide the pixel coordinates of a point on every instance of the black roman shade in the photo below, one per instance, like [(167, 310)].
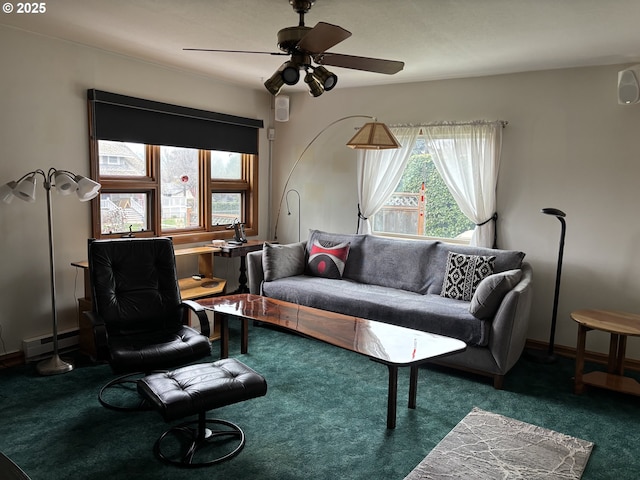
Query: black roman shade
[(130, 119)]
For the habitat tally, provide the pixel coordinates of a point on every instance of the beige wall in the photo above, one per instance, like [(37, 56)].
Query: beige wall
[(568, 145), (43, 123)]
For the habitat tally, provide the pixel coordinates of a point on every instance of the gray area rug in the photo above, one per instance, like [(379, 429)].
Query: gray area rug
[(486, 445)]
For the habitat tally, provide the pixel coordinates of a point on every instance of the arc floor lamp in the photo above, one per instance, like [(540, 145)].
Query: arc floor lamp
[(65, 183), (372, 135)]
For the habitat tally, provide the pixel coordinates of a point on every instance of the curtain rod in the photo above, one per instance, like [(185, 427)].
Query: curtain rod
[(504, 123)]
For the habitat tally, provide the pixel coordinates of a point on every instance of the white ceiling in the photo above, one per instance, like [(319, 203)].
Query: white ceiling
[(437, 39)]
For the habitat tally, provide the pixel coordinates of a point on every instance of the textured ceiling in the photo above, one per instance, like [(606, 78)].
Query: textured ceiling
[(437, 39)]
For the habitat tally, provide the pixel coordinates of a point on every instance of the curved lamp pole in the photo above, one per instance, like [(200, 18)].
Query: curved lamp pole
[(65, 183), (372, 136), (293, 190)]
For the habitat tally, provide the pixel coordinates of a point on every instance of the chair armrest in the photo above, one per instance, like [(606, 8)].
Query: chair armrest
[(100, 335), (201, 313)]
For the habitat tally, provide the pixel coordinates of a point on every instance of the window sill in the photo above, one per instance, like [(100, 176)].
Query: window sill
[(457, 241)]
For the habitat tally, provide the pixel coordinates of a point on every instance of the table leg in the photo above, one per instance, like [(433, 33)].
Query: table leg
[(620, 354), (582, 338), (244, 345), (242, 280), (613, 353), (413, 386), (224, 334), (393, 396)]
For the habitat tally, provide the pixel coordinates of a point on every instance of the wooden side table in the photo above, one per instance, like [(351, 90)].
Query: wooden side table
[(619, 325), (231, 251)]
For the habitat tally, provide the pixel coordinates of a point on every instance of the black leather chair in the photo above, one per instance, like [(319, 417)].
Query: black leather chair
[(138, 317)]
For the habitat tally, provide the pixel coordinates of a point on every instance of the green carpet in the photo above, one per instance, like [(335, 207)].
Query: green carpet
[(323, 418)]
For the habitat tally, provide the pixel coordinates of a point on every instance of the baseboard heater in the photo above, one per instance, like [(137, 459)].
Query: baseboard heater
[(37, 346)]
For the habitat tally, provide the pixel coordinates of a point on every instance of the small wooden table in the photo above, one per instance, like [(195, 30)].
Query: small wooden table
[(620, 325), (231, 251), (388, 344)]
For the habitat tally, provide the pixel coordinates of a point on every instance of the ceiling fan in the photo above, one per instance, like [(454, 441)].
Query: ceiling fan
[(306, 46)]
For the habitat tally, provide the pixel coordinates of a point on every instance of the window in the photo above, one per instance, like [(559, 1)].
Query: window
[(421, 204), (167, 183), (170, 170), (179, 188)]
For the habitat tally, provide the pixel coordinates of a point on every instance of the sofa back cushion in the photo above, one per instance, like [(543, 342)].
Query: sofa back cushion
[(413, 265), (383, 261)]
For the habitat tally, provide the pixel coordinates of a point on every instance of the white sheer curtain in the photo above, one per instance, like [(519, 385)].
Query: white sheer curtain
[(467, 157), (379, 172)]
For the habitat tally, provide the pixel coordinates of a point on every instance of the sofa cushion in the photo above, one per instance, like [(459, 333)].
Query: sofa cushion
[(464, 273), (429, 313), (282, 260), (491, 291), (327, 260)]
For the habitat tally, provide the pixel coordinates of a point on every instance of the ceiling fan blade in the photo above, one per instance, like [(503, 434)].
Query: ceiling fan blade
[(367, 64), (322, 37), (233, 51)]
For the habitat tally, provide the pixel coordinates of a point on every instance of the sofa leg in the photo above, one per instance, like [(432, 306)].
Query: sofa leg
[(498, 381)]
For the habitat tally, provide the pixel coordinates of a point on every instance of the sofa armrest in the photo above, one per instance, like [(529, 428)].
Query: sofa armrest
[(255, 273), (510, 324)]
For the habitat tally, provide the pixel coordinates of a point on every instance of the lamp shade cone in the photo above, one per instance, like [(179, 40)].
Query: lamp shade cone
[(87, 188), (65, 185), (26, 189), (6, 192), (373, 136)]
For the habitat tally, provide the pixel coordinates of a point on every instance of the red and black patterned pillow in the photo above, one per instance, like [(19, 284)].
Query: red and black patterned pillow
[(327, 261), (464, 273)]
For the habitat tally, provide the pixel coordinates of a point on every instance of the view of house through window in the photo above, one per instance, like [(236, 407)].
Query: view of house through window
[(169, 190), (422, 204), (226, 168), (122, 159), (179, 188), (123, 212)]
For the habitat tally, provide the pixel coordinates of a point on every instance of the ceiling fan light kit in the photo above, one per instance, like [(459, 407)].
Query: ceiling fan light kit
[(307, 45), (290, 72), (327, 79), (315, 89)]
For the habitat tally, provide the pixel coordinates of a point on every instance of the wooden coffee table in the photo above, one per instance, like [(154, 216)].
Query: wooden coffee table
[(619, 325), (390, 345)]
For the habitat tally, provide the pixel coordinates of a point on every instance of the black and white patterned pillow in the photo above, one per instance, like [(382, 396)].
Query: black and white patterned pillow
[(464, 273)]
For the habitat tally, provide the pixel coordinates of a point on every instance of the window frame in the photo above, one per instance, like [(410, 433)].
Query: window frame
[(150, 185), (415, 236)]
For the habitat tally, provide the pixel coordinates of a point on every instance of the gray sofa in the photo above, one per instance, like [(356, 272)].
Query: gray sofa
[(485, 301)]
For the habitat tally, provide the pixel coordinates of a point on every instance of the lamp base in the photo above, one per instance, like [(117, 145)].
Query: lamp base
[(54, 366), (540, 356)]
